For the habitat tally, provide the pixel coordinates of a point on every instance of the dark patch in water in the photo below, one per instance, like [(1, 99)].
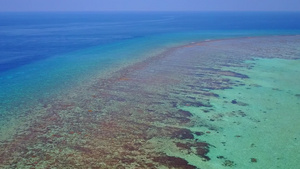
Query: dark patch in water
[(174, 104), (220, 157), (241, 113), (205, 111), (239, 103), (173, 162), (228, 163), (183, 120), (199, 133), (202, 150), (185, 113), (211, 69), (195, 104), (233, 74), (193, 98), (234, 101), (183, 134), (200, 147), (253, 160), (150, 110), (210, 94), (184, 146), (158, 103), (218, 87)]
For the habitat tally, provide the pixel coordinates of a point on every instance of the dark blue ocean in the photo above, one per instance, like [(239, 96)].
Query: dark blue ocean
[(42, 54), (28, 37)]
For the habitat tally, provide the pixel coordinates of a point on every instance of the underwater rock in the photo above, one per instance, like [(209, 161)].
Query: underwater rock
[(196, 104), (183, 134), (233, 74), (184, 146), (211, 94), (183, 120), (173, 162), (234, 101), (220, 157), (202, 150), (198, 148), (239, 103), (206, 111), (185, 113), (241, 113), (228, 163), (253, 160), (199, 133)]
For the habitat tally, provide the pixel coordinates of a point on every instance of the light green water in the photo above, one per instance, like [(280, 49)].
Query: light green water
[(263, 125)]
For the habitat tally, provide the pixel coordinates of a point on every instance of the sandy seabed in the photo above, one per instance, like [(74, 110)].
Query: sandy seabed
[(230, 103)]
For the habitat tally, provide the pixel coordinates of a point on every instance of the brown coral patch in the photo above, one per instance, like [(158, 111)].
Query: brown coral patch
[(253, 160), (183, 134), (185, 113), (200, 147), (233, 74), (173, 162)]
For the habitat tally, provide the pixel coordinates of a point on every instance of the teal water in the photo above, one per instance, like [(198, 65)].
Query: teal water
[(46, 53), (55, 74), (262, 125)]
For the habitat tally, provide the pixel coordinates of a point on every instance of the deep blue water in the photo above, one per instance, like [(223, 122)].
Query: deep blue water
[(28, 37), (44, 53)]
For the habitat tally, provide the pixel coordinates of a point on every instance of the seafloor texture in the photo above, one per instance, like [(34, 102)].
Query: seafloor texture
[(216, 104)]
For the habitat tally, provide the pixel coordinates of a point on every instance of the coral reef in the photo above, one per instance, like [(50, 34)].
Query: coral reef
[(111, 122)]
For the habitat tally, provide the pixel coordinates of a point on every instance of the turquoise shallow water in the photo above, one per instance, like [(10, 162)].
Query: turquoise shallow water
[(262, 124)]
